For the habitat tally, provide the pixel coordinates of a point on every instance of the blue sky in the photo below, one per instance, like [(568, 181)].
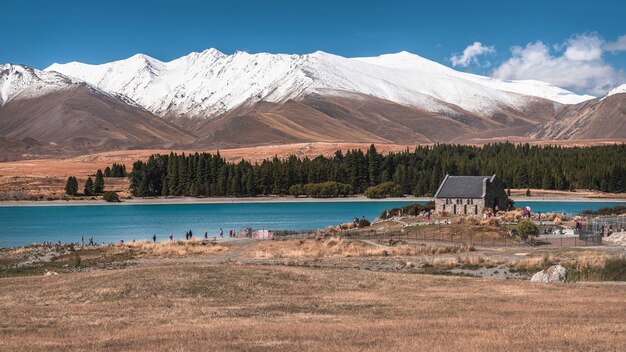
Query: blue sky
[(39, 33)]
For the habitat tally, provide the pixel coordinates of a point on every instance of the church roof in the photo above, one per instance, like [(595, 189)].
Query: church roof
[(463, 186)]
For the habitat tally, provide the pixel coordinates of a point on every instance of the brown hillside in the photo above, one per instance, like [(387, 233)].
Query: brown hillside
[(83, 116)]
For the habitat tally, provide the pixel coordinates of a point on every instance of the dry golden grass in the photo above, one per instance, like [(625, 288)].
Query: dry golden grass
[(176, 248), (340, 247), (46, 177), (197, 307)]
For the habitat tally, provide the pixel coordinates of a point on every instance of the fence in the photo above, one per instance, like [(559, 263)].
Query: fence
[(441, 234)]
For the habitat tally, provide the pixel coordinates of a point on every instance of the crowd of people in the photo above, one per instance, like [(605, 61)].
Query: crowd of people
[(189, 235)]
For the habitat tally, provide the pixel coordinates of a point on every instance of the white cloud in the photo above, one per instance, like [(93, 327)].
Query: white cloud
[(618, 45), (471, 54), (577, 64), (584, 48)]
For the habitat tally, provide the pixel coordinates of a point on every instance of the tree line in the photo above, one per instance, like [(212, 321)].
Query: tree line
[(93, 187), (116, 170), (418, 172)]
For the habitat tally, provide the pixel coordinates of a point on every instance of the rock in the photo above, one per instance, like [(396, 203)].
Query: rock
[(48, 273), (555, 273)]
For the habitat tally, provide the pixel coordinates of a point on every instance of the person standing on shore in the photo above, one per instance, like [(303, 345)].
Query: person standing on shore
[(82, 241), (221, 232), (154, 238), (171, 237), (206, 235)]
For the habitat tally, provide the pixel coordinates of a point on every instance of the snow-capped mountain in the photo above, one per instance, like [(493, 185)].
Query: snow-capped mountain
[(26, 82), (210, 99), (618, 90), (211, 83), (51, 107)]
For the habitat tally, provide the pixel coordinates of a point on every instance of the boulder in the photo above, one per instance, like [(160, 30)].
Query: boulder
[(555, 273)]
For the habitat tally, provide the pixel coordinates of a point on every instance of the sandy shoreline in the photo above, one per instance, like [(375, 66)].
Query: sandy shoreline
[(226, 200), (217, 200)]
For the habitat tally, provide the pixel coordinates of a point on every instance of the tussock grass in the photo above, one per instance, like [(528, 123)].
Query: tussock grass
[(197, 307), (176, 248), (340, 247)]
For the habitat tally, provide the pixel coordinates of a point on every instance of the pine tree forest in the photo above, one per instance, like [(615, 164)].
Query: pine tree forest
[(418, 172)]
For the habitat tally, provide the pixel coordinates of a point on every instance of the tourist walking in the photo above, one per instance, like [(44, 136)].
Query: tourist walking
[(171, 237), (221, 232), (91, 241), (82, 241), (154, 238), (206, 235)]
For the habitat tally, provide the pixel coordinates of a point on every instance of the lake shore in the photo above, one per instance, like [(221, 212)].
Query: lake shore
[(216, 200), (240, 200)]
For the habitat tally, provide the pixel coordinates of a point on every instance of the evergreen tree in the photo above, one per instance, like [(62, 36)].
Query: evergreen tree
[(98, 184), (373, 166), (547, 181), (89, 189), (71, 186)]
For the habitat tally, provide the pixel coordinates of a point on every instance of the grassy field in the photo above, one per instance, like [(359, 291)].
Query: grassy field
[(329, 294), (254, 308)]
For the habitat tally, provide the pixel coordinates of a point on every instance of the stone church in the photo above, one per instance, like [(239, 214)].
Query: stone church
[(463, 195)]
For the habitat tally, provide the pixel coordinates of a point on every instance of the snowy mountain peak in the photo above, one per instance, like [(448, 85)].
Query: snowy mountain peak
[(23, 81), (407, 60), (618, 90), (205, 84)]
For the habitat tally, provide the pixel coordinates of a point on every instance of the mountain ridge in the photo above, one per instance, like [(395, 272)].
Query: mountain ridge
[(218, 82), (211, 99)]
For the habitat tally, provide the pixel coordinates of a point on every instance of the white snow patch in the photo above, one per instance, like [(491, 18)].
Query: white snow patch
[(208, 83), (619, 90)]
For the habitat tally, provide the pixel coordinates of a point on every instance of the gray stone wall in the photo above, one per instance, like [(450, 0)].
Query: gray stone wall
[(460, 206)]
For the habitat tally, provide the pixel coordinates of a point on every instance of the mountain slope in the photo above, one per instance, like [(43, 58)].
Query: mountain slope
[(594, 119), (211, 99), (49, 107)]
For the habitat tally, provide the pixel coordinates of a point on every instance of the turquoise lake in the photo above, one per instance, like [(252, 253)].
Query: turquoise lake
[(22, 225)]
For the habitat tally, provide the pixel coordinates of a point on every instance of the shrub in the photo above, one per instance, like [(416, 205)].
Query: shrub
[(383, 190), (411, 209), (326, 189), (364, 223), (111, 197), (615, 270), (296, 190), (616, 210), (527, 229)]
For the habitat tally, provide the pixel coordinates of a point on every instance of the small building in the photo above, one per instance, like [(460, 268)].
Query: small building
[(470, 194)]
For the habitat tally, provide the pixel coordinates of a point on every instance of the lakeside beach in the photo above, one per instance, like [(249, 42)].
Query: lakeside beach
[(286, 199)]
